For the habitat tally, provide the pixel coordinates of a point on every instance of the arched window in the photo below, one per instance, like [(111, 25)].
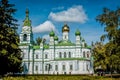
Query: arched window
[(71, 67), (46, 56), (36, 68), (65, 36), (64, 54), (87, 54), (36, 56), (69, 54), (60, 55), (46, 68), (84, 54), (63, 67), (87, 67), (25, 37), (56, 67)]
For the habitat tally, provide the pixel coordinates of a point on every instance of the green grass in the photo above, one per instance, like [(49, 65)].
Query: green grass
[(60, 77)]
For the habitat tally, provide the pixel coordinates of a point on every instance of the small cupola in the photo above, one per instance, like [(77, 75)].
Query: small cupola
[(52, 33), (65, 28), (56, 38), (77, 32)]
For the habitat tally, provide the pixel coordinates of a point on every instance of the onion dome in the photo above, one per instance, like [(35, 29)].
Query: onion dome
[(52, 33), (77, 32), (65, 28), (83, 40), (56, 38)]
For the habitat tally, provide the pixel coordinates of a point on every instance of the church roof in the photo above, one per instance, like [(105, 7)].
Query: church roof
[(27, 21), (65, 43), (38, 47)]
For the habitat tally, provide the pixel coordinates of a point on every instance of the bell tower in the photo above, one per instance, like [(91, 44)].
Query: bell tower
[(26, 36), (65, 31)]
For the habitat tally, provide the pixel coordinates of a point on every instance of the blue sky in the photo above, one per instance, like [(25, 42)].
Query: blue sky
[(47, 15)]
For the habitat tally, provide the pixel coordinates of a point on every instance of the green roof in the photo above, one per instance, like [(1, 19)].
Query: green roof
[(65, 43), (89, 47), (36, 47), (71, 59), (23, 44), (52, 33), (46, 46), (77, 32), (27, 22)]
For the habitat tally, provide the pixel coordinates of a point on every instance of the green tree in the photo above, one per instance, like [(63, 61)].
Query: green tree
[(10, 54), (38, 40), (111, 21), (100, 57)]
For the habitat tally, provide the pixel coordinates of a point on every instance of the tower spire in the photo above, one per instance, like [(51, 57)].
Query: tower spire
[(27, 13), (27, 22)]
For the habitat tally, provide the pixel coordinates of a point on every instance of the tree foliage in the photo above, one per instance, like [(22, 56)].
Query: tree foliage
[(110, 52), (99, 55), (38, 40), (10, 54)]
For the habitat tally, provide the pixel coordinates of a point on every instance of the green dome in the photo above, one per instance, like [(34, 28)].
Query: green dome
[(77, 32), (83, 40), (52, 33), (56, 38)]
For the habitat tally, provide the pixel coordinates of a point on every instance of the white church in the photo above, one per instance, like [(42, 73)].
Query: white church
[(57, 57)]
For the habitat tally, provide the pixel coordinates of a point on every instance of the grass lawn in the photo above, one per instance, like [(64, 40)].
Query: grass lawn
[(59, 77)]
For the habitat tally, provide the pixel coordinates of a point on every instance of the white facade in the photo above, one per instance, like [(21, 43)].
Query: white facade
[(59, 57)]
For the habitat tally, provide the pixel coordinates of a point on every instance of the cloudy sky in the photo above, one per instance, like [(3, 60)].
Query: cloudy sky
[(47, 15)]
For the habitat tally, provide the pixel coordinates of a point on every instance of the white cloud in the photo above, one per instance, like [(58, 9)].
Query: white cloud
[(47, 26), (73, 14)]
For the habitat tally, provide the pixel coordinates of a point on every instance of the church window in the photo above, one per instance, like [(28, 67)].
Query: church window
[(60, 55), (65, 36), (64, 54), (25, 37), (83, 66), (36, 68), (51, 67), (36, 56), (46, 68), (69, 55), (84, 54), (46, 56), (87, 54), (56, 67), (71, 67), (40, 66), (63, 67), (87, 67)]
